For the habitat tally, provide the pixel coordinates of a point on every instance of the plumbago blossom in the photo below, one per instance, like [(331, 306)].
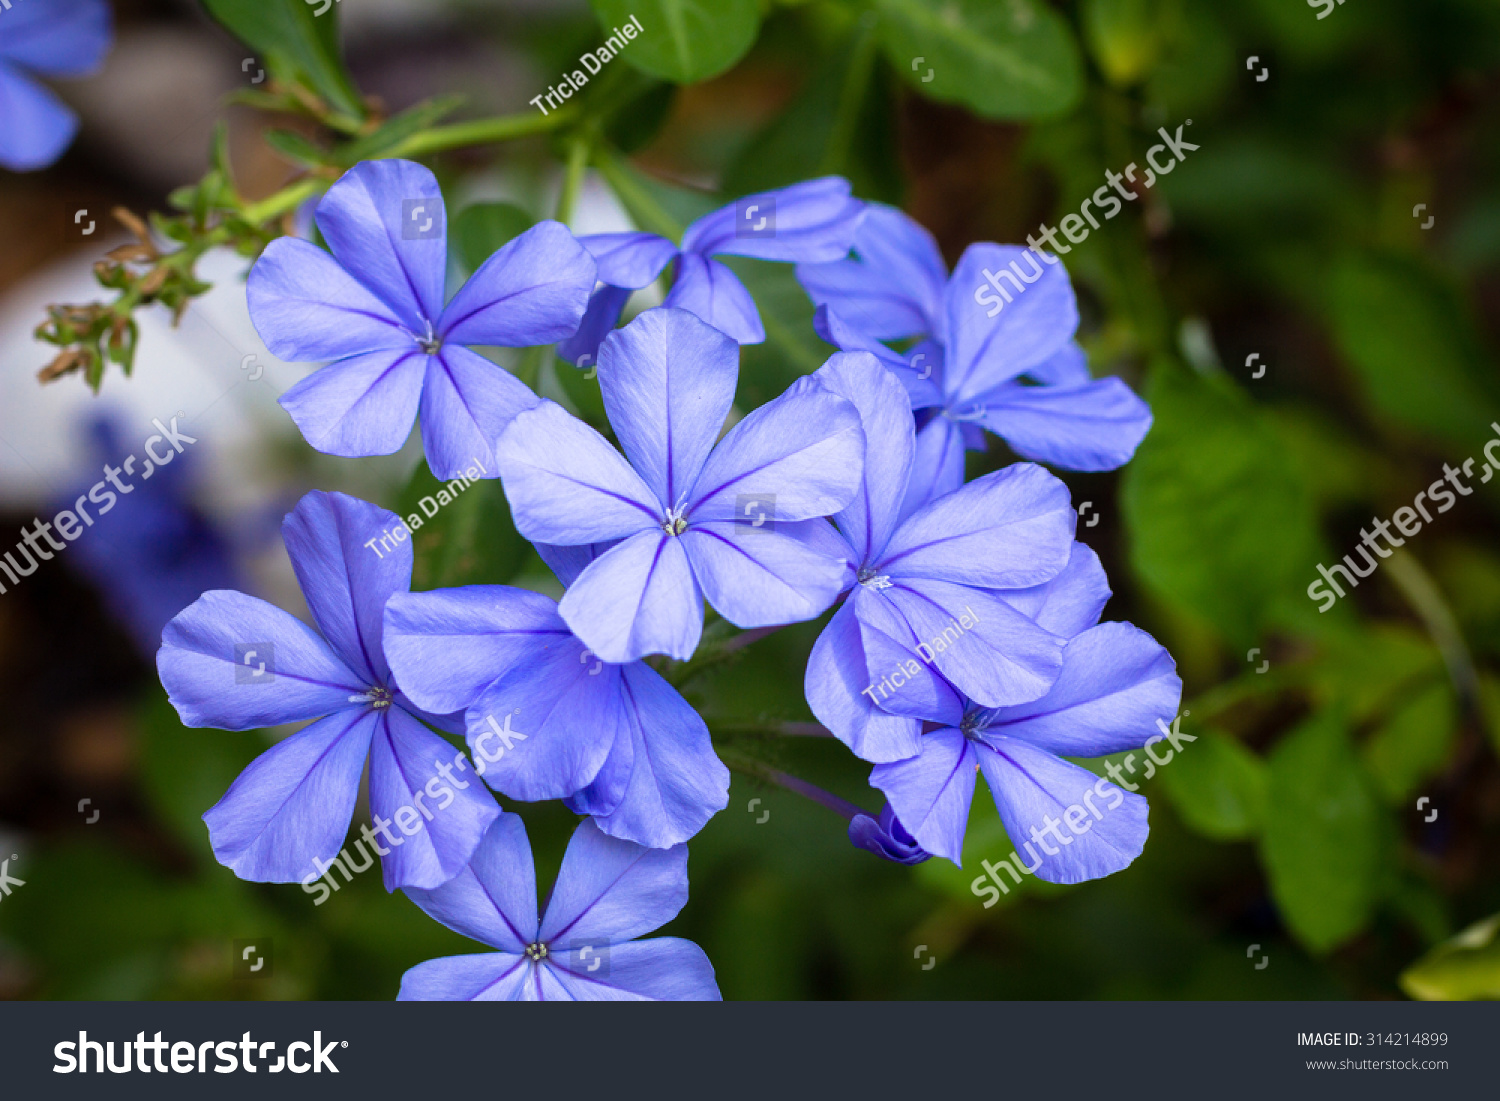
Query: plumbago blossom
[(920, 613), (584, 946), (808, 222), (1015, 371), (615, 741), (56, 38), (676, 504), (968, 639), (374, 305), (236, 662)]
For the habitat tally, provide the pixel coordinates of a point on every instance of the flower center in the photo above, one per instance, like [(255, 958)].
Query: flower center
[(675, 523), (377, 697), (872, 580), (974, 413), (429, 341), (536, 952)]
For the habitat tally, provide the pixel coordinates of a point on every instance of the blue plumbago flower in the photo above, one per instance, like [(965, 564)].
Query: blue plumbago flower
[(812, 221), (584, 948), (547, 719), (692, 519), (55, 38), (1014, 370), (921, 613), (1116, 684), (375, 307), (886, 837), (237, 663)]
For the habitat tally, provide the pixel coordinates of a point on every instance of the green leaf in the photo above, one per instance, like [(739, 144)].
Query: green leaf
[(295, 148), (184, 772), (483, 229), (1124, 36), (460, 536), (295, 42), (1412, 745), (683, 40), (1326, 840), (394, 131), (1003, 60), (1465, 968), (1219, 787), (1413, 346), (1219, 518)]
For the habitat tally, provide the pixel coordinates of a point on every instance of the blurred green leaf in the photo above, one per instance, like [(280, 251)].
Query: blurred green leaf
[(1365, 669), (1465, 968), (683, 40), (1413, 743), (184, 772), (483, 229), (1012, 60), (1219, 518), (1414, 348), (460, 536), (1125, 36), (295, 42), (1219, 787), (1326, 839), (839, 123)]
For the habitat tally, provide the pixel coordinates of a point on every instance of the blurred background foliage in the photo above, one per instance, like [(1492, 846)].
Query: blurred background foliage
[(1291, 235)]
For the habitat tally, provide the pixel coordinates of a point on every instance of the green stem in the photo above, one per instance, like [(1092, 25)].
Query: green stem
[(484, 131), (643, 208), (851, 97), (572, 184), (288, 198), (1426, 599)]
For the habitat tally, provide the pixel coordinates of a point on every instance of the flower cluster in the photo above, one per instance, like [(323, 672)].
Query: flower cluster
[(966, 636)]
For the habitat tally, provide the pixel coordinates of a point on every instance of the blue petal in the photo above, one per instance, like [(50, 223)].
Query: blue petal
[(533, 291), (1009, 529), (1072, 601), (377, 219), (563, 710), (676, 783), (568, 562), (836, 682), (1000, 658), (308, 308), (800, 453), (293, 803), (484, 977), (610, 890), (1069, 367), (708, 289), (886, 837), (567, 485), (1093, 426), (345, 581), (446, 647), (467, 402), (885, 417), (920, 370), (894, 287), (605, 306), (1116, 683), (59, 38), (493, 900), (931, 792), (408, 787), (758, 578), (1035, 792), (899, 680), (211, 657), (937, 467), (38, 126), (666, 969), (360, 406), (811, 221), (984, 350), (636, 599), (668, 381), (629, 260)]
